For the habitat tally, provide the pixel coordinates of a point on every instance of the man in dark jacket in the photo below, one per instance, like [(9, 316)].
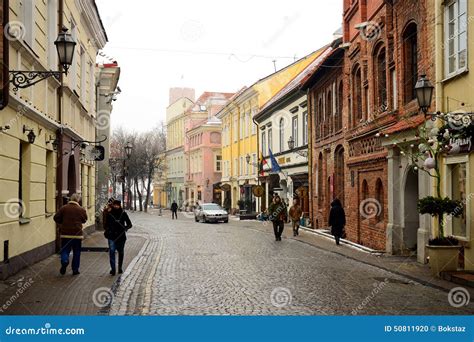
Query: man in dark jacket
[(337, 219), (70, 218), (278, 214), (174, 210), (118, 223)]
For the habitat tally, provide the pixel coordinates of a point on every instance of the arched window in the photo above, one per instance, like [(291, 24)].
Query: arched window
[(340, 100), (282, 134), (410, 59), (379, 196), (365, 190), (329, 114), (339, 173), (320, 118), (380, 64), (320, 179), (356, 96)]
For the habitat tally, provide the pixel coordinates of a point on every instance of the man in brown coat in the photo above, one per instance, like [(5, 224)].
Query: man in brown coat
[(295, 215), (70, 218)]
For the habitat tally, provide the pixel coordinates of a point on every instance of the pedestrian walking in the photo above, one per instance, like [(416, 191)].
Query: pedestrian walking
[(295, 216), (278, 214), (106, 211), (118, 223), (337, 219), (70, 218), (174, 210)]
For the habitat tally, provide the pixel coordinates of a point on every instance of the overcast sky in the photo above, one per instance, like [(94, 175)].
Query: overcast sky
[(208, 45)]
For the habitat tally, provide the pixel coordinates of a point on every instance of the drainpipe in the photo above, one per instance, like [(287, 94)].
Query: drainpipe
[(59, 134), (5, 55), (310, 156), (258, 165)]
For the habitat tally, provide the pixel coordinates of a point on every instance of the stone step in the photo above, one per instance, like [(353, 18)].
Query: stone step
[(464, 278)]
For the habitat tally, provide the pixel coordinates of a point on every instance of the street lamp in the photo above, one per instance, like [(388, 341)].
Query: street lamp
[(424, 93), (65, 46), (291, 146), (128, 149)]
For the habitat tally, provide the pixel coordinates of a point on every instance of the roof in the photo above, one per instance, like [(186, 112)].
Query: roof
[(296, 81), (209, 94), (405, 124)]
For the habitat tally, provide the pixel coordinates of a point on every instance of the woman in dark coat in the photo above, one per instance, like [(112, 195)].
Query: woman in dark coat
[(117, 224), (337, 219)]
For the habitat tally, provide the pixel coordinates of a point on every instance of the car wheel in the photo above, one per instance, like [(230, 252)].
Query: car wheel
[(204, 220), (226, 221)]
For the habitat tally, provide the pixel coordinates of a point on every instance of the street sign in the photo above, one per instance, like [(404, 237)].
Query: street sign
[(95, 153), (258, 191)]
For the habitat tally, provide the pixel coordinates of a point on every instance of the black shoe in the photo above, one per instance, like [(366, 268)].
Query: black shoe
[(62, 270), (279, 238), (295, 233), (276, 238), (75, 273), (112, 272), (120, 271)]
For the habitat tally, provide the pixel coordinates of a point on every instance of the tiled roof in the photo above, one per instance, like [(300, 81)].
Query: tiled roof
[(296, 81), (405, 124)]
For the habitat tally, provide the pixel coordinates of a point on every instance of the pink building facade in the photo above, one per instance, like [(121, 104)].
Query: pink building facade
[(202, 149)]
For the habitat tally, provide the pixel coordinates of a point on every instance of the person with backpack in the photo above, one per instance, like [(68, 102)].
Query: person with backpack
[(117, 224), (278, 214), (337, 220)]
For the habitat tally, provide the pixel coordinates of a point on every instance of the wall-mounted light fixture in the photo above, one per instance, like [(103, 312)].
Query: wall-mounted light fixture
[(31, 135)]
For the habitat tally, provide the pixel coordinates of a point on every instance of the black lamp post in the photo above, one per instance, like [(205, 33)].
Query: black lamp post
[(65, 46), (128, 152), (424, 93)]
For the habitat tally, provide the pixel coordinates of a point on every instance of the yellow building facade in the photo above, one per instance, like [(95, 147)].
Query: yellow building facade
[(454, 79), (240, 137), (33, 174)]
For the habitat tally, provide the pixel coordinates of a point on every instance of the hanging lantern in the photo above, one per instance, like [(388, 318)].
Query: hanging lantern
[(429, 163)]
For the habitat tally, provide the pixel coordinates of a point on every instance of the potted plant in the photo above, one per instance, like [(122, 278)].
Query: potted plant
[(442, 250)]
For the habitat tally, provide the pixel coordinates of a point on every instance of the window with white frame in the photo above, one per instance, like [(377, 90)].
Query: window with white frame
[(455, 36), (91, 87), (270, 140), (254, 126), (294, 128), (27, 15), (52, 34), (83, 75), (236, 127), (241, 127), (264, 143), (241, 163), (254, 163), (218, 163), (282, 134), (305, 128)]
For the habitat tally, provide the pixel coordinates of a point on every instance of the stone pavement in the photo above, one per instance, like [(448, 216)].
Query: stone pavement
[(180, 267), (41, 290)]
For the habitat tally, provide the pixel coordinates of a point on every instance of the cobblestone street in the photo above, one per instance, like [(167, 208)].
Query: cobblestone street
[(238, 269)]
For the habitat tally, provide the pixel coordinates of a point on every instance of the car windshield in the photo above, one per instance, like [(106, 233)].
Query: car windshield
[(211, 207)]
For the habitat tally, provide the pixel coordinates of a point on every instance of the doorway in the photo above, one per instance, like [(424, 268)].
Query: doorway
[(411, 216)]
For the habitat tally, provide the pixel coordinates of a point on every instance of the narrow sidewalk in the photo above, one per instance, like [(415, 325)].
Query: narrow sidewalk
[(404, 266), (41, 290)]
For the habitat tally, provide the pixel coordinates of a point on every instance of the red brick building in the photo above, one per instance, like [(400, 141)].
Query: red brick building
[(387, 47), (325, 90)]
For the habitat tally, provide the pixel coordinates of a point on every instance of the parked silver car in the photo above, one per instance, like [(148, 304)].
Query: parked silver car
[(210, 212)]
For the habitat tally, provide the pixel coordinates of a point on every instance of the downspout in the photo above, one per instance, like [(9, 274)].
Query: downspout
[(59, 135), (310, 155), (258, 158), (6, 57)]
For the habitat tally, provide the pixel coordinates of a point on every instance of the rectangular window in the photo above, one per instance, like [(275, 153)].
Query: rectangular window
[(83, 75), (294, 128), (92, 87), (236, 127), (264, 144), (27, 15), (242, 127), (305, 128), (241, 166), (218, 163), (254, 163), (270, 139), (91, 186), (254, 126), (455, 36), (52, 34)]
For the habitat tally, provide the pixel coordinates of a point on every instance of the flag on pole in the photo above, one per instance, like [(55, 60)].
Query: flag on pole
[(275, 166), (261, 163)]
